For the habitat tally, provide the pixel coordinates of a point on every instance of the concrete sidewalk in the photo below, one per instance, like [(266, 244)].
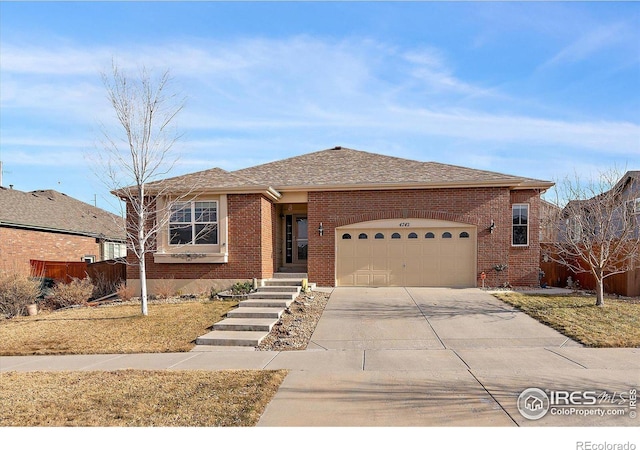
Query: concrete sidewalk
[(470, 357)]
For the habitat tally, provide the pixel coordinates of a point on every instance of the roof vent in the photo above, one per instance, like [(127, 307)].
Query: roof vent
[(337, 148)]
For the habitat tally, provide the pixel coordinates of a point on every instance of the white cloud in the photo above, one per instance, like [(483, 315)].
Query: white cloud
[(593, 41), (252, 90)]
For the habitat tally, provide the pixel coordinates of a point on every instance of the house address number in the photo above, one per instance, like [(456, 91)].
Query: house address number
[(405, 224)]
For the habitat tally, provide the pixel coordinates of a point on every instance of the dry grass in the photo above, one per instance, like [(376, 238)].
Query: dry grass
[(112, 329), (617, 324), (136, 398)]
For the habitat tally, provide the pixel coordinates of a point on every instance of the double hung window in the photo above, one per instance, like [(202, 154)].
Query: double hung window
[(194, 223), (520, 227)]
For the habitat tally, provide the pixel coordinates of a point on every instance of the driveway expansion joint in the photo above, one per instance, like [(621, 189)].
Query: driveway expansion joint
[(494, 399), (566, 357)]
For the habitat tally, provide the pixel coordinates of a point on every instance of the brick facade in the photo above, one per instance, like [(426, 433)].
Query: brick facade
[(250, 244), (253, 225), (18, 246), (475, 206)]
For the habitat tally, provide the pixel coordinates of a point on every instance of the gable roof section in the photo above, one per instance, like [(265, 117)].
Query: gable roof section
[(336, 169), (340, 167), (209, 181), (49, 210)]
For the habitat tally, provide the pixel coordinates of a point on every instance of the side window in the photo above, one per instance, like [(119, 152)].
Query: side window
[(520, 227)]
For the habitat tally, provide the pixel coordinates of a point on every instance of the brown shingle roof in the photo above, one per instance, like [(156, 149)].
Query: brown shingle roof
[(210, 179), (339, 168), (348, 167), (52, 210)]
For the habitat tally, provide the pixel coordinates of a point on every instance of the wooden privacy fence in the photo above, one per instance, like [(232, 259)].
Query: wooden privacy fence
[(627, 284), (59, 271), (113, 271)]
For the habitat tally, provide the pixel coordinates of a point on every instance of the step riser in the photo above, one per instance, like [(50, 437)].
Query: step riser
[(229, 342), (265, 303), (272, 296), (254, 315), (287, 289), (265, 328), (281, 283), (290, 275)]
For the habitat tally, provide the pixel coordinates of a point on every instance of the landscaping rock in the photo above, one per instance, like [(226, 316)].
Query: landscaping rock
[(294, 329)]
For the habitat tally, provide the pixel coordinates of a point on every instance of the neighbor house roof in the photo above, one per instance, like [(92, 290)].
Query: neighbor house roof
[(339, 169), (50, 210)]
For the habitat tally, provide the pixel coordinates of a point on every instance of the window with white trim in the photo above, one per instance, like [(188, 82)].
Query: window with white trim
[(194, 223), (520, 227), (113, 250)]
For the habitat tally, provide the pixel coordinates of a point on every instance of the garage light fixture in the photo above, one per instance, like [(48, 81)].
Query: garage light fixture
[(492, 226), (320, 230)]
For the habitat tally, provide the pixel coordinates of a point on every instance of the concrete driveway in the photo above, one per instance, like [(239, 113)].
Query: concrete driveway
[(411, 357), (438, 357)]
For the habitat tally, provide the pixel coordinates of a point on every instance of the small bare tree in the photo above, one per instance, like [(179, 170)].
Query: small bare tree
[(597, 226), (138, 151)]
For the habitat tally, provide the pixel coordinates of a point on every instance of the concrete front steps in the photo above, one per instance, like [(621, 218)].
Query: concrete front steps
[(252, 321)]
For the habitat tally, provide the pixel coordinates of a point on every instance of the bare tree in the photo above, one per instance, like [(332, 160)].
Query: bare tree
[(138, 151), (597, 226)]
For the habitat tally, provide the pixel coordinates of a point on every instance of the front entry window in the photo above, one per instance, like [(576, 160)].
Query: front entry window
[(302, 238), (296, 239)]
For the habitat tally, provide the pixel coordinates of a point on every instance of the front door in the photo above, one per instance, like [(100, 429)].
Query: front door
[(300, 239)]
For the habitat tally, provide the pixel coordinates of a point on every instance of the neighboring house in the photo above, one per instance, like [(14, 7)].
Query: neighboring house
[(549, 214), (48, 225), (621, 204), (350, 218)]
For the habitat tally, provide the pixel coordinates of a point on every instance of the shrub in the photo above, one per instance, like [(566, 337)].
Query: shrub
[(165, 288), (17, 290), (125, 293), (76, 293), (242, 288)]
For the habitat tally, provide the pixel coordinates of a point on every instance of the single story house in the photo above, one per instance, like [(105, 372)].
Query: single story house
[(51, 226), (349, 218)]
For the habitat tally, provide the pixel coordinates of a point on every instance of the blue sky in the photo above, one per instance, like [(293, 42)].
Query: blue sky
[(534, 89)]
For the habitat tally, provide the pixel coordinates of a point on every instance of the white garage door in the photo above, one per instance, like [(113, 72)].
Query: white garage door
[(410, 252)]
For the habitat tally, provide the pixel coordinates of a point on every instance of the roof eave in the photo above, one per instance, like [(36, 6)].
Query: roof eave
[(507, 183), (267, 191), (90, 234)]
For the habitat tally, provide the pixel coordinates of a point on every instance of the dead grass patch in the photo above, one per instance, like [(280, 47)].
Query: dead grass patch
[(617, 324), (112, 329), (136, 398)]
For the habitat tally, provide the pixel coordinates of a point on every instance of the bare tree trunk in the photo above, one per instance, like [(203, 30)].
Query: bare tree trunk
[(599, 288), (143, 287)]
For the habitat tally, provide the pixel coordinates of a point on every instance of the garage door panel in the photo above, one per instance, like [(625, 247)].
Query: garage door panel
[(380, 279), (427, 260)]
